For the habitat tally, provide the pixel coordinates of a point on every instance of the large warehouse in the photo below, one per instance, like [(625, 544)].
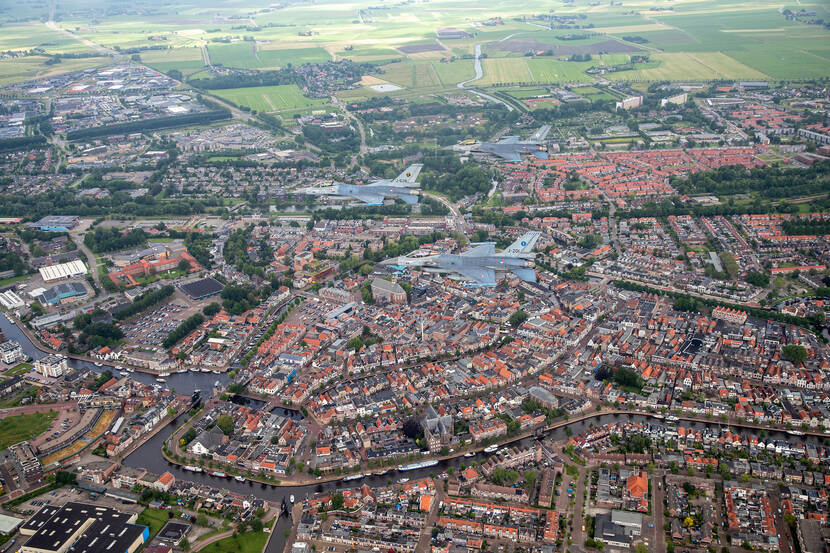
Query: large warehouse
[(63, 270), (79, 527)]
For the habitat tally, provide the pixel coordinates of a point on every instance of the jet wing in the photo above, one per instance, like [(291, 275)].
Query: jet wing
[(411, 199), (478, 251), (482, 277), (368, 198)]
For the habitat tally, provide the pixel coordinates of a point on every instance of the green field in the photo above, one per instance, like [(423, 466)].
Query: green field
[(155, 519), (250, 55), (249, 542), (692, 66), (186, 60), (31, 67), (504, 70), (19, 428), (686, 40), (269, 98)]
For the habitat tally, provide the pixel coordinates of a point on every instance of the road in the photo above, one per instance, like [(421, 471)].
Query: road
[(780, 524), (657, 508), (97, 47), (460, 222)]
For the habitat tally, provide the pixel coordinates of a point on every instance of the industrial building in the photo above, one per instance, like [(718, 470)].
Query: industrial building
[(80, 527), (56, 223), (62, 293), (63, 271)]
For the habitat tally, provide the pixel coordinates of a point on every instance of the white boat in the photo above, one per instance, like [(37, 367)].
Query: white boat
[(491, 448), (291, 499), (354, 477), (421, 465), (658, 416), (205, 370), (795, 432), (239, 478), (129, 370), (403, 480), (97, 364), (161, 380), (192, 468), (469, 454), (180, 371), (164, 375), (216, 372), (672, 418)]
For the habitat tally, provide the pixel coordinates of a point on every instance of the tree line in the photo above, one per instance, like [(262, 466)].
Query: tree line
[(144, 125)]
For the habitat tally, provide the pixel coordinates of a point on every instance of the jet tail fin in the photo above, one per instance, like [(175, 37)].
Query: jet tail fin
[(407, 178), (524, 245)]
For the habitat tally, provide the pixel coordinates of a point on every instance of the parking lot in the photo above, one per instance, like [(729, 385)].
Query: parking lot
[(152, 327), (62, 496), (65, 419)]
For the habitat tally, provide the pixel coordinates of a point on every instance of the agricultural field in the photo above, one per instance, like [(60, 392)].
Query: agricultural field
[(251, 55), (504, 70), (692, 66), (23, 69), (269, 98), (29, 35), (186, 60), (691, 39), (410, 74)]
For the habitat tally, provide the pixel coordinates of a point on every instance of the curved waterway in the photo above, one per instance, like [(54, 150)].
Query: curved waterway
[(148, 456)]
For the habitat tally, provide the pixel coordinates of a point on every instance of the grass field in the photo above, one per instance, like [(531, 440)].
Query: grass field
[(412, 74), (25, 36), (186, 60), (504, 70), (549, 70), (31, 67), (593, 93), (249, 55), (269, 98), (154, 519), (19, 428), (686, 66), (249, 542)]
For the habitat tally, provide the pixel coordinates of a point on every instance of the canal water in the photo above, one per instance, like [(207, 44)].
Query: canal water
[(183, 383)]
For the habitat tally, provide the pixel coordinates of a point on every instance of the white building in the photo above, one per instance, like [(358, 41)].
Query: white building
[(51, 365), (11, 352), (10, 300), (630, 103), (63, 270)]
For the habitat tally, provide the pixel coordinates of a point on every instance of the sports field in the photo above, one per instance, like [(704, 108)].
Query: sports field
[(269, 98)]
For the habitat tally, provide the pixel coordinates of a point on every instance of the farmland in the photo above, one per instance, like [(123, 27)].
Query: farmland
[(700, 40), (269, 98)]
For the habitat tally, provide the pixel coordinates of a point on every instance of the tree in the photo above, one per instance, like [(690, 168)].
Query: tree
[(641, 548), (211, 309), (517, 318), (794, 353), (225, 424), (337, 502)]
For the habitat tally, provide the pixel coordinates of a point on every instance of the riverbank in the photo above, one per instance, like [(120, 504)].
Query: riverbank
[(475, 449)]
